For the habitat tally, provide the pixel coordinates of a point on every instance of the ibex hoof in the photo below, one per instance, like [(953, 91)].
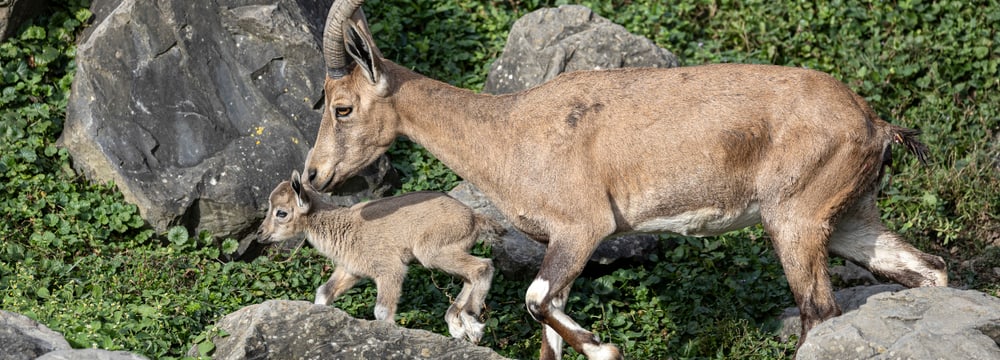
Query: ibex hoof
[(456, 329), (474, 331)]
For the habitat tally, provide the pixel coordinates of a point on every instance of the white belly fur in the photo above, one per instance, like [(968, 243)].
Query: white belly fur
[(704, 221)]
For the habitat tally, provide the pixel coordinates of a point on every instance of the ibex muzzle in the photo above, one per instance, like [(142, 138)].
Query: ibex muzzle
[(693, 150)]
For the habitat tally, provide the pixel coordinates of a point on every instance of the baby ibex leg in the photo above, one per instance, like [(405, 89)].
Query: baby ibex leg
[(477, 275), (479, 285), (389, 286), (339, 282)]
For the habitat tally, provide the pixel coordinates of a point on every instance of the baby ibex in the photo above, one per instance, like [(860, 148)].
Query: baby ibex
[(377, 240), (696, 151)]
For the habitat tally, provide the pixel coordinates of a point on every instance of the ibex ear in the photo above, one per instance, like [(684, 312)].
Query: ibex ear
[(301, 197), (362, 49)]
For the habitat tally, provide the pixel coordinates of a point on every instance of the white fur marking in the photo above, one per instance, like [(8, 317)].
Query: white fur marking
[(568, 322), (704, 222), (455, 326), (554, 340), (600, 352), (456, 331), (558, 304), (321, 297), (473, 328), (381, 312), (537, 291)]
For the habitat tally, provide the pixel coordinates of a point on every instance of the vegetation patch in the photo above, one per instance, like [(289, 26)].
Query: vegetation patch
[(78, 259)]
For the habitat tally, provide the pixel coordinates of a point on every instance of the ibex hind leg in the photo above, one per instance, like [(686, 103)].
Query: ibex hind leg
[(861, 237), (477, 276), (799, 240), (479, 285), (453, 317)]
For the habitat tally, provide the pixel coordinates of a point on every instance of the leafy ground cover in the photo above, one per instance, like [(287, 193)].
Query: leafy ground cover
[(76, 257)]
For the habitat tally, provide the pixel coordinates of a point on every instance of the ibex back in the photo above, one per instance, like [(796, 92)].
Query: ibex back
[(693, 150)]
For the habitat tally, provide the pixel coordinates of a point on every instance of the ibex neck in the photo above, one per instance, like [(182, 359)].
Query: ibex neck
[(327, 230), (468, 132)]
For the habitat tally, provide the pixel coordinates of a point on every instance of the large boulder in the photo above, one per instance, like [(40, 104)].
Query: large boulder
[(919, 323), (856, 285), (541, 45), (197, 109), (24, 338), (848, 299), (851, 274), (90, 354), (282, 329), (547, 42)]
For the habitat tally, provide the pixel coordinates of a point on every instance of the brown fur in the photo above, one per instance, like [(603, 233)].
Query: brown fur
[(693, 150), (377, 239)]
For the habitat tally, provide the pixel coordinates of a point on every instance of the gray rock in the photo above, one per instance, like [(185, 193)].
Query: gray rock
[(281, 329), (519, 257), (99, 9), (851, 274), (514, 254), (197, 109), (848, 299), (547, 42), (24, 338), (90, 354), (919, 323), (15, 12)]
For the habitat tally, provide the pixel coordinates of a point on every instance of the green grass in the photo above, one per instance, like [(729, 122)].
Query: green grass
[(76, 257)]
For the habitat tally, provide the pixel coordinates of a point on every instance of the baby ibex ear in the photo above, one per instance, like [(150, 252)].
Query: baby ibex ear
[(301, 196), (361, 48)]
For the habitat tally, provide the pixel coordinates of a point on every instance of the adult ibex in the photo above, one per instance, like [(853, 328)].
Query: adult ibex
[(693, 150), (377, 239)]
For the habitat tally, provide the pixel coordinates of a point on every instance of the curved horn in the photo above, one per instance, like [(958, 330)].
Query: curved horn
[(333, 35)]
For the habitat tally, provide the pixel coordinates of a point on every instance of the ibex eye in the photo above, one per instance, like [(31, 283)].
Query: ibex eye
[(280, 214), (342, 111)]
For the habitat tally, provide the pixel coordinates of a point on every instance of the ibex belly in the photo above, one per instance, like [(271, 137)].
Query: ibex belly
[(703, 222)]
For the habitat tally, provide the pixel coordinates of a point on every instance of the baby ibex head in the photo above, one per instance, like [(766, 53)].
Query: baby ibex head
[(287, 206)]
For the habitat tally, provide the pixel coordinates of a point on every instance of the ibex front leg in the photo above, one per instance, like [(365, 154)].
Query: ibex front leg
[(546, 298), (389, 285)]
